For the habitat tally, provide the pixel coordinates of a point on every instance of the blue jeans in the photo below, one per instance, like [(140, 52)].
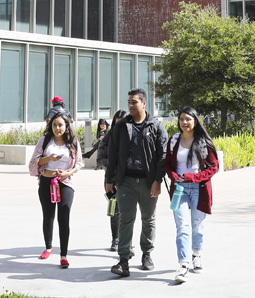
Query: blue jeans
[(189, 221), (133, 192)]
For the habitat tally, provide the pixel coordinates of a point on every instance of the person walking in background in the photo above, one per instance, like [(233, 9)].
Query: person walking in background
[(102, 130), (136, 161), (102, 160), (58, 106), (57, 154), (191, 161)]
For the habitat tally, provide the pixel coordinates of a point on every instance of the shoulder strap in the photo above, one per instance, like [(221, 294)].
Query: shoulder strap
[(167, 185), (46, 141)]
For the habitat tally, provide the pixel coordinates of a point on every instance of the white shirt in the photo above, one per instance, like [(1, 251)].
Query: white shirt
[(63, 162), (182, 155)]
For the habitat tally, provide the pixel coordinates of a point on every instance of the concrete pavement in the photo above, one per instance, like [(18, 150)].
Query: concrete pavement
[(228, 257)]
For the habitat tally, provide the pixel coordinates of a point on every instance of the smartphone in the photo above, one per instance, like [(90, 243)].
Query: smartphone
[(110, 194), (60, 155)]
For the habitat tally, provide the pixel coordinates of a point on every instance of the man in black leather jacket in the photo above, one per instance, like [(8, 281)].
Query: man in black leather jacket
[(136, 160)]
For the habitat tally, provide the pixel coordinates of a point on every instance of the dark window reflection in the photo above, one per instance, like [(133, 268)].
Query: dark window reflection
[(250, 10), (23, 15), (77, 18), (59, 18), (108, 23), (42, 16), (93, 19), (5, 14)]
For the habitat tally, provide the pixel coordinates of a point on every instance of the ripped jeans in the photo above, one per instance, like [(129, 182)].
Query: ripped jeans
[(189, 224)]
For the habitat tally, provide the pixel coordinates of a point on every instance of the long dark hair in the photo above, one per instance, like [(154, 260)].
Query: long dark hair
[(68, 136), (101, 121), (200, 134), (119, 114)]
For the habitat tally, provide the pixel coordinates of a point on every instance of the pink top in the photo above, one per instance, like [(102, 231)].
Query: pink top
[(36, 170)]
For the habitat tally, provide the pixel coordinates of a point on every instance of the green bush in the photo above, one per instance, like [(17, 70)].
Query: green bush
[(239, 150), (19, 136), (15, 295), (171, 127)]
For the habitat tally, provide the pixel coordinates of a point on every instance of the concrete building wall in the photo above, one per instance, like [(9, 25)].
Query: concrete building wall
[(140, 21)]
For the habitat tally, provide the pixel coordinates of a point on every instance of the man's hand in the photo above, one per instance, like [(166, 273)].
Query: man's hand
[(155, 189), (108, 187)]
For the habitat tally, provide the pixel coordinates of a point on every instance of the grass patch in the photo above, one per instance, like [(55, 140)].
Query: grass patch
[(8, 294)]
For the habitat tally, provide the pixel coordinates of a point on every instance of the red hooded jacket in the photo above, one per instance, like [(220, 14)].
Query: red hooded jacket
[(203, 177)]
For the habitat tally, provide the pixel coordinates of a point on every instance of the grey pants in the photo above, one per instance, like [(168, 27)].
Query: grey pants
[(131, 192)]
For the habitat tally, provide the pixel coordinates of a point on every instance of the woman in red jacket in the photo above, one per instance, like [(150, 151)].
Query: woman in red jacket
[(191, 161)]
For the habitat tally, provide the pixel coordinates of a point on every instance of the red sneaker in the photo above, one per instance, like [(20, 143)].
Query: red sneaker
[(46, 254), (64, 264)]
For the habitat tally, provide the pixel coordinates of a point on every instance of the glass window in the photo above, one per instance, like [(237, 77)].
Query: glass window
[(77, 19), (250, 9), (38, 85), (59, 17), (5, 14), (23, 15), (63, 77), (12, 84), (86, 81), (42, 16), (126, 79), (144, 77), (160, 103), (108, 20), (93, 19), (107, 85)]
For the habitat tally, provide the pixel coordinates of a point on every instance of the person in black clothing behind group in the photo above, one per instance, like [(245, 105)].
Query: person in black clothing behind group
[(102, 160), (102, 130), (136, 160)]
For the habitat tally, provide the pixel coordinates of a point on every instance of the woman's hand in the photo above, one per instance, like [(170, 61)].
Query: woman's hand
[(63, 174), (54, 157), (180, 179), (46, 159)]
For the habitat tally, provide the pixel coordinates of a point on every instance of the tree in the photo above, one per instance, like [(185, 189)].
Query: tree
[(209, 63)]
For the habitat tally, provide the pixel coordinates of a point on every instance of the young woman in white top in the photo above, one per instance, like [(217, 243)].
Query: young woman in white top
[(191, 161), (61, 158)]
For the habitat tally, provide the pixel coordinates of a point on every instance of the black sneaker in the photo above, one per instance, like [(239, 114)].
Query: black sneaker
[(147, 263), (114, 246), (121, 268)]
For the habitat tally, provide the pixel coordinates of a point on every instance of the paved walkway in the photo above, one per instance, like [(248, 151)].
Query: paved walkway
[(228, 251)]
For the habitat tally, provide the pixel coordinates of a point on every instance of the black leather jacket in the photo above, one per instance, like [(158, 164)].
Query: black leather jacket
[(154, 145)]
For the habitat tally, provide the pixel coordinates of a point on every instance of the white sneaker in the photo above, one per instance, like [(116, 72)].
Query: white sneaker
[(182, 273), (197, 266)]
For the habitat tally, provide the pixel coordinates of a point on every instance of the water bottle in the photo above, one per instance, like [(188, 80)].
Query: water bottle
[(111, 207), (55, 191), (177, 197)]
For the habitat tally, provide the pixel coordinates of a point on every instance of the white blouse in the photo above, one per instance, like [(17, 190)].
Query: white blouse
[(64, 162), (182, 155)]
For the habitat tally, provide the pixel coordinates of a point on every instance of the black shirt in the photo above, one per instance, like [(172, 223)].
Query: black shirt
[(135, 162)]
